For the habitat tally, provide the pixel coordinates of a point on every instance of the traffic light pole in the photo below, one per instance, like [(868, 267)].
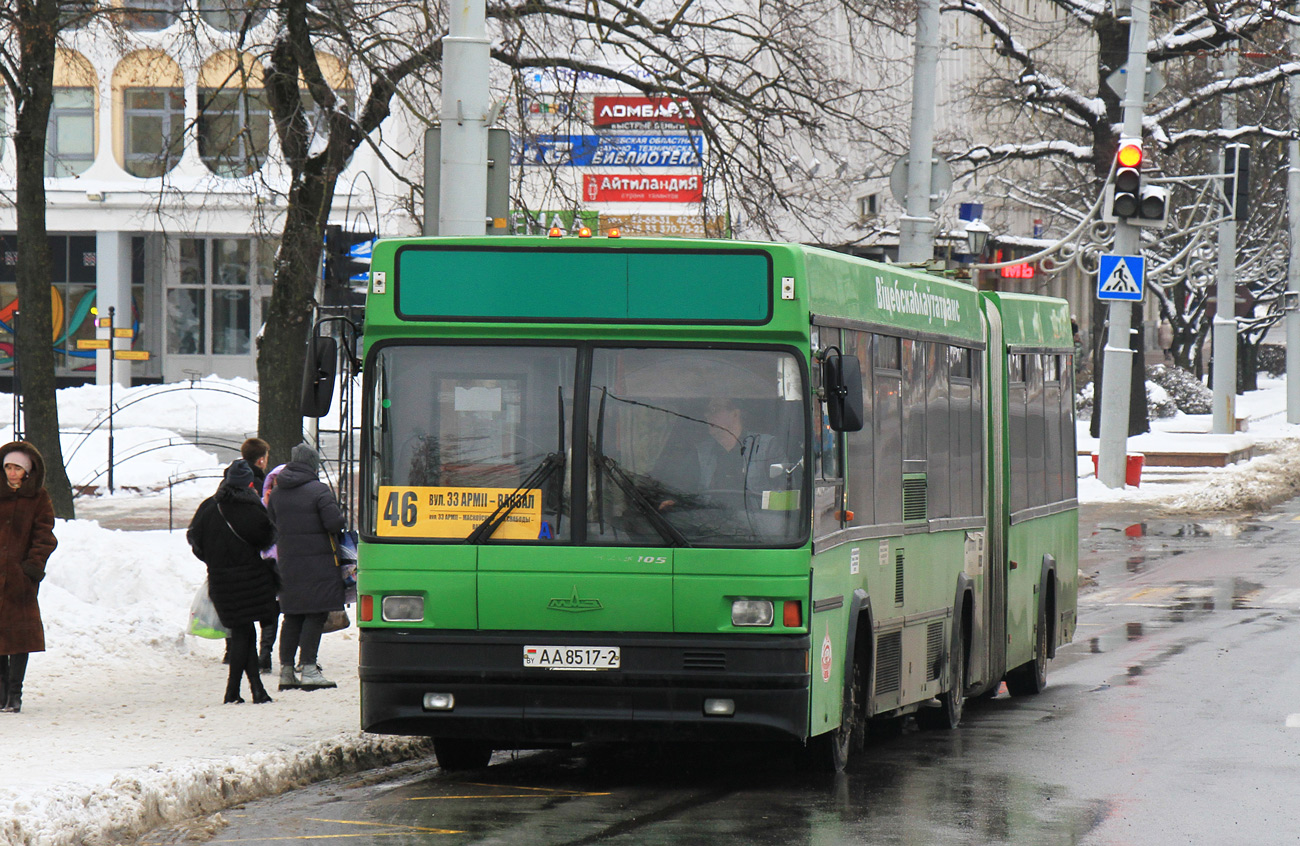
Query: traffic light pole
[(1224, 366), (1117, 360), (916, 226), (462, 188)]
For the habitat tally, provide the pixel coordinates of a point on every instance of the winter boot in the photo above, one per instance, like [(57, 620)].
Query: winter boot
[(4, 679), (288, 679), (13, 701), (312, 679), (264, 659)]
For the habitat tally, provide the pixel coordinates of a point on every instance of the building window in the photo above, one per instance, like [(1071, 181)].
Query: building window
[(70, 139), (151, 15), (210, 307), (233, 15), (233, 127), (155, 129)]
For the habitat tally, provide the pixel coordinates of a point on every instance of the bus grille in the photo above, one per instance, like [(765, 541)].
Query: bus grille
[(889, 667), (933, 650), (704, 661), (898, 577)]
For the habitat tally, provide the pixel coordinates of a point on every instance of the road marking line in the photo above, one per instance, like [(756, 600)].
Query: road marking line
[(540, 792)]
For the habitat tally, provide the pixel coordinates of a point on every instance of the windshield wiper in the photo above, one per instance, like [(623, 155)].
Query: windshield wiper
[(667, 530), (552, 462)]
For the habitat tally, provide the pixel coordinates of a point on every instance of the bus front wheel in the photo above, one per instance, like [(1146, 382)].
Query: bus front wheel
[(831, 751), (456, 753)]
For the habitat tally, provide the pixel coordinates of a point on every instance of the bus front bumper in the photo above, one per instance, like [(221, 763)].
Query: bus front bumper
[(658, 692)]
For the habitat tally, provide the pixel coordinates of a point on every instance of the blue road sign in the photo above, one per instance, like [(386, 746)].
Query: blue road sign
[(1121, 277)]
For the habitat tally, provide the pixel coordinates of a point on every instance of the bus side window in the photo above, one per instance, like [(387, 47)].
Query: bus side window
[(828, 475)]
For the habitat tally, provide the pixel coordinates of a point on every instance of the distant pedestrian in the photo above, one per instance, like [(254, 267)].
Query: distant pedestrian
[(306, 516), (26, 541), (257, 453), (228, 533)]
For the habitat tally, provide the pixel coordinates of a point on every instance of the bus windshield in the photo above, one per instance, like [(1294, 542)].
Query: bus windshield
[(677, 446)]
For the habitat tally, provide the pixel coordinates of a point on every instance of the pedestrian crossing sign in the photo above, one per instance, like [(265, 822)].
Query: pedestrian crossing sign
[(1120, 277)]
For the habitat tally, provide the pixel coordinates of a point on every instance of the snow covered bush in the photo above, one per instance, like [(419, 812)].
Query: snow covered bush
[(1083, 402), (1159, 403), (1183, 388)]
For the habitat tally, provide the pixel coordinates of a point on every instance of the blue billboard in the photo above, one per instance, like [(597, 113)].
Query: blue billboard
[(646, 150)]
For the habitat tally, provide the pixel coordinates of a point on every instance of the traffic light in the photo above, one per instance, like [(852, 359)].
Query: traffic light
[(1133, 198), (1128, 180), (347, 265), (1236, 179)]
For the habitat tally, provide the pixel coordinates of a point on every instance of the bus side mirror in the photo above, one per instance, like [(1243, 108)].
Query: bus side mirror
[(842, 381), (318, 375)]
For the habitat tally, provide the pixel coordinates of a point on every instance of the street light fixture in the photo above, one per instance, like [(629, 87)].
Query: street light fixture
[(977, 237)]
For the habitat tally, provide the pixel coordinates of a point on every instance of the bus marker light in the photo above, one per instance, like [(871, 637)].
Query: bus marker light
[(792, 614), (556, 232), (751, 612), (405, 609), (439, 701), (584, 232), (367, 608), (720, 707), (614, 233), (846, 516)]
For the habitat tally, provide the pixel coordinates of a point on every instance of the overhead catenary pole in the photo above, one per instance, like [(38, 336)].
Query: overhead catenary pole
[(1117, 366), (462, 186), (1293, 266), (916, 227), (1225, 314)]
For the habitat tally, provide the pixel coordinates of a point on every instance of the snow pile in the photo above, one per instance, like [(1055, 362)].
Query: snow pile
[(1253, 486)]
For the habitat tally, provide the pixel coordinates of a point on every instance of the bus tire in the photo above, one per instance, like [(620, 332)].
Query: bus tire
[(455, 753), (831, 751), (1030, 679), (952, 701)]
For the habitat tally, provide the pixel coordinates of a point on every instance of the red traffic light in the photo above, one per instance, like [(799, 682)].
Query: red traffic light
[(1129, 155)]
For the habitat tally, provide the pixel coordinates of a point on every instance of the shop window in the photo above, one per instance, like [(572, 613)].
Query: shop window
[(155, 129), (70, 138), (233, 127), (210, 307)]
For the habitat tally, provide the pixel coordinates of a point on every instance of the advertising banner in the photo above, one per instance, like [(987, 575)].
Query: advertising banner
[(650, 150), (681, 225), (616, 188), (642, 111), (540, 222)]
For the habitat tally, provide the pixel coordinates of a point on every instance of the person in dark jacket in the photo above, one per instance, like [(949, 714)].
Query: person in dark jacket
[(228, 533), (257, 453), (306, 516), (26, 541)]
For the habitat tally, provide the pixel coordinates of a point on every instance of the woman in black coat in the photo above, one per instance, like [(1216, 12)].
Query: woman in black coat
[(228, 532), (306, 515)]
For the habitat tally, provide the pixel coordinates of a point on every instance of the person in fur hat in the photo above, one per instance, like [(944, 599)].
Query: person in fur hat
[(228, 533), (26, 541)]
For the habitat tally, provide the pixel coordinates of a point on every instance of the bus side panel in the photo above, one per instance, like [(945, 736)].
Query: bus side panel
[(1055, 535)]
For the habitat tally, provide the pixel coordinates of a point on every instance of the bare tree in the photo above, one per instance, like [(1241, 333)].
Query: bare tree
[(29, 34)]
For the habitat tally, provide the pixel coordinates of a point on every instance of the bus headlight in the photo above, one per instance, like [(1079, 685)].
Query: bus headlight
[(751, 612), (402, 609)]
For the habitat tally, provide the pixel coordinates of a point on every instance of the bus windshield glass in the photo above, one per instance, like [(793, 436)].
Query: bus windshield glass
[(696, 447), (678, 446)]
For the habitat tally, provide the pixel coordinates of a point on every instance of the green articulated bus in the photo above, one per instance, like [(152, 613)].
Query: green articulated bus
[(658, 489)]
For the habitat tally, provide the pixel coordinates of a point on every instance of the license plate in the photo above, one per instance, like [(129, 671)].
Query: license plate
[(572, 657)]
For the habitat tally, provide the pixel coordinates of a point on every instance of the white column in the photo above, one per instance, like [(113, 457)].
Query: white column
[(113, 289)]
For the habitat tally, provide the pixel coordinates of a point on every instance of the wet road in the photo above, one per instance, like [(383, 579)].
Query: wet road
[(1174, 718)]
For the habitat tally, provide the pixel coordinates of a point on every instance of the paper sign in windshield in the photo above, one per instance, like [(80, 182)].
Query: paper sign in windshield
[(440, 512)]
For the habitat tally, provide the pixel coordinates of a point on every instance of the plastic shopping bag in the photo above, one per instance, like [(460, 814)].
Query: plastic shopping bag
[(204, 621)]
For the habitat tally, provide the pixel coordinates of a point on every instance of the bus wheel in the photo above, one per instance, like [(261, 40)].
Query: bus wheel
[(952, 702), (1030, 679), (455, 753), (831, 751)]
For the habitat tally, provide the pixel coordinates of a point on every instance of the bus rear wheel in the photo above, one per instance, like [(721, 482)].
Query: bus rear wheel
[(1030, 679), (951, 702), (456, 753)]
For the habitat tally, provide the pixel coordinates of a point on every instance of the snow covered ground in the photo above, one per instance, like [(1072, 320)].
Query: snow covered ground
[(122, 727)]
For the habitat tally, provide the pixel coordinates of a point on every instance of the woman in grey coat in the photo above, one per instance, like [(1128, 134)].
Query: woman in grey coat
[(306, 516)]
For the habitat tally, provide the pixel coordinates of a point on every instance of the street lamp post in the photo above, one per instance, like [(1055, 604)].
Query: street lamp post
[(977, 239)]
